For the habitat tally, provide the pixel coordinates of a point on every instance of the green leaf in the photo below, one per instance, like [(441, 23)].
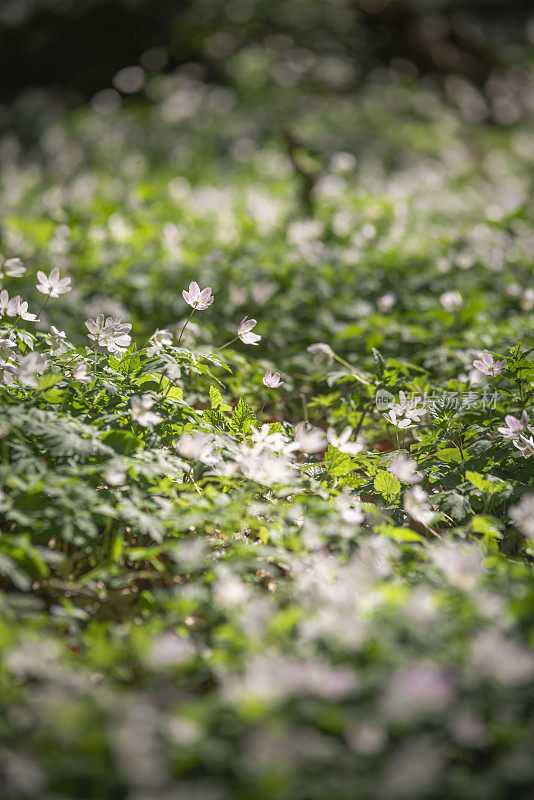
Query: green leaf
[(128, 364), (479, 481), (49, 380), (122, 441), (53, 396), (399, 534), (387, 485), (217, 402), (216, 419), (456, 505), (485, 526), (379, 363), (243, 417), (449, 454), (338, 463)]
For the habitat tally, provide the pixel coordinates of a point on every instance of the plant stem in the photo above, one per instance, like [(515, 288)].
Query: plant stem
[(43, 306), (225, 345), (364, 414), (185, 326)]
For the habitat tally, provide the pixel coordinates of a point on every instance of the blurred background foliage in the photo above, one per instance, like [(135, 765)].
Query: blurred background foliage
[(76, 47)]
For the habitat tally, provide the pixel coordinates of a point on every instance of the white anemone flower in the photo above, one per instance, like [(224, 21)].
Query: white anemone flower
[(514, 427), (416, 505), (308, 440), (197, 298), (272, 379), (80, 373), (343, 443), (264, 439), (488, 366), (451, 301), (57, 341), (12, 268), (19, 308), (323, 349), (29, 367), (350, 509), (111, 333), (245, 331), (162, 338), (141, 413), (52, 284), (522, 515), (404, 469), (114, 475), (5, 346), (406, 413), (197, 447)]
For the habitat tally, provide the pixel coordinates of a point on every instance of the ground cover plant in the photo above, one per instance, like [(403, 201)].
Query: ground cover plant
[(267, 443)]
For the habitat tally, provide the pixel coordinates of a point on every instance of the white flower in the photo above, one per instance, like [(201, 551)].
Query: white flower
[(272, 380), (162, 337), (141, 413), (264, 467), (498, 657), (487, 365), (386, 302), (14, 307), (114, 475), (527, 300), (522, 515), (112, 333), (514, 427), (461, 564), (9, 371), (4, 302), (245, 331), (525, 445), (197, 447), (80, 373), (416, 506), (53, 284), (57, 340), (19, 308), (29, 367), (167, 650), (196, 298), (404, 469), (451, 301), (343, 443), (308, 440), (350, 509), (406, 412), (12, 268), (324, 349), (5, 346), (265, 440)]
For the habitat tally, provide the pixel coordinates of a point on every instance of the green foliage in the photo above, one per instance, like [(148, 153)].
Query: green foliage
[(210, 588)]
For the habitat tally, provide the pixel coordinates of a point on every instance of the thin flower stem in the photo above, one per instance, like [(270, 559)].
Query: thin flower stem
[(304, 407), (185, 326), (364, 414), (47, 298), (435, 533), (225, 345), (352, 369), (264, 402)]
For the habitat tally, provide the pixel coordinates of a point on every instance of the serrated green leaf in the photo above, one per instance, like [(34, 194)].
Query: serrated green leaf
[(243, 417), (449, 454), (217, 402), (338, 463), (387, 485)]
